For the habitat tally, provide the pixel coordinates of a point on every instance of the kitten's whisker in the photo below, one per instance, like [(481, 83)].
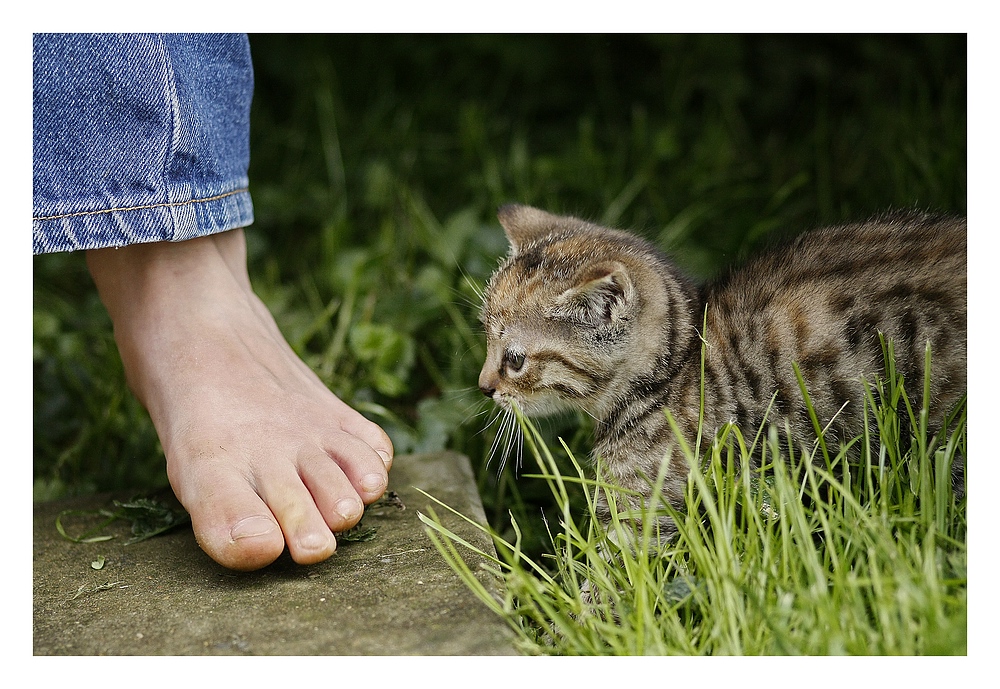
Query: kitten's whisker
[(519, 463), (477, 289), (482, 412), (497, 438), (511, 428)]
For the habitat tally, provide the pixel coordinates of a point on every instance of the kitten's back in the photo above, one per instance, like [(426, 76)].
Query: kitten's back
[(822, 300)]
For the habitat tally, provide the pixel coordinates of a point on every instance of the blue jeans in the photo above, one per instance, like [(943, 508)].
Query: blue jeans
[(139, 138)]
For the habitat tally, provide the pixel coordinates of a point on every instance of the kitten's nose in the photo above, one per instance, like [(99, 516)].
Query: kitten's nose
[(488, 383)]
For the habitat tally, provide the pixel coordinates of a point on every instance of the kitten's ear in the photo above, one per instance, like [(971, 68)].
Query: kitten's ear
[(523, 224), (603, 295)]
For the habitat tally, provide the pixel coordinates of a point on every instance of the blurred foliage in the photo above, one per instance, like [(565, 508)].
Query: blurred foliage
[(378, 162)]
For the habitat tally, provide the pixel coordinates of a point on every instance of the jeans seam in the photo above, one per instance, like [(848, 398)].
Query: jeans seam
[(170, 204), (175, 120)]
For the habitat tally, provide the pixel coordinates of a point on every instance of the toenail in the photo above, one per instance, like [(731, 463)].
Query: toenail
[(315, 541), (252, 526), (349, 509), (372, 483)]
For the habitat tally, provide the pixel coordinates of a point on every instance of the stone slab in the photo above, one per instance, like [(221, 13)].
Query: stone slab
[(392, 595)]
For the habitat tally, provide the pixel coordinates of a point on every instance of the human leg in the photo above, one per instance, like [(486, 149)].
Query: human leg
[(141, 140), (258, 450)]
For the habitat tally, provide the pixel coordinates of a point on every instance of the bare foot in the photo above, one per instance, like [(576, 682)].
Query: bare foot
[(258, 450)]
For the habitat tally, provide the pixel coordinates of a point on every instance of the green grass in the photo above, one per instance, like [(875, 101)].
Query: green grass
[(377, 164), (815, 556)]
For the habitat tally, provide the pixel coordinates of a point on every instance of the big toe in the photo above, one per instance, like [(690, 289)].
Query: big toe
[(231, 523), (245, 544)]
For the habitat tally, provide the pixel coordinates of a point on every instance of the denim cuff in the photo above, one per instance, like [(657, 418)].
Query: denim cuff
[(139, 138), (172, 221)]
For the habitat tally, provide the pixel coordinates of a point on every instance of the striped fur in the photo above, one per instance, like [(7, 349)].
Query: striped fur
[(581, 316)]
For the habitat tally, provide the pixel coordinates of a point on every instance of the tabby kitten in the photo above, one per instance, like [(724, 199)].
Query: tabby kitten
[(581, 316)]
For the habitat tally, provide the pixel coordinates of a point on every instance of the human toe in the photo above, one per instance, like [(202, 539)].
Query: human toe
[(371, 434), (246, 544), (331, 490), (308, 536), (365, 469), (231, 523)]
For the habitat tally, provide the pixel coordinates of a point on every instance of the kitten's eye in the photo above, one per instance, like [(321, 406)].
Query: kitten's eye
[(515, 360)]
